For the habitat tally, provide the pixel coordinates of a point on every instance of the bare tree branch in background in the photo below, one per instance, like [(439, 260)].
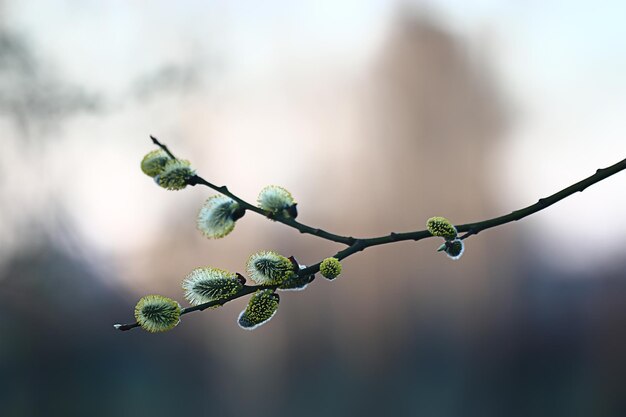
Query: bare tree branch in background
[(30, 94)]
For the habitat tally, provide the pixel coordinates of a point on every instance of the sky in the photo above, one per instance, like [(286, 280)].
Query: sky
[(561, 65)]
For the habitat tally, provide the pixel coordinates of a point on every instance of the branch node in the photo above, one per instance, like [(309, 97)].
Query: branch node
[(193, 181)]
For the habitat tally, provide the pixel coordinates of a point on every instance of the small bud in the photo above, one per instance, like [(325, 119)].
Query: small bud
[(217, 216), (269, 268), (454, 248), (241, 278), (277, 201), (207, 284), (330, 268), (261, 308), (154, 162), (296, 282), (175, 174), (156, 313), (295, 263), (440, 226), (292, 211)]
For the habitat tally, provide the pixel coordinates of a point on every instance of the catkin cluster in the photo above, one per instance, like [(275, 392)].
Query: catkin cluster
[(271, 272), (216, 218)]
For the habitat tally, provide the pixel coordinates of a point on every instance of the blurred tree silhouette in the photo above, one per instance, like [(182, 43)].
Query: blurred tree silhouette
[(30, 95), (498, 334)]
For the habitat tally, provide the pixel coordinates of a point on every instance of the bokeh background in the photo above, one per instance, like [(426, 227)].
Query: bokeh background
[(376, 115)]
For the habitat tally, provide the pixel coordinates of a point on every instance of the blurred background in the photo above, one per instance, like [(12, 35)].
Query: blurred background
[(376, 115)]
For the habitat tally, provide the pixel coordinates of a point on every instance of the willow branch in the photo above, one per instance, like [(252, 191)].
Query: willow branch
[(162, 146), (356, 245), (303, 228), (247, 289), (543, 203), (471, 229), (198, 180)]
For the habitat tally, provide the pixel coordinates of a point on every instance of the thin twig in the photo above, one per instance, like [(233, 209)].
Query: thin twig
[(196, 179), (303, 228), (160, 145), (356, 245)]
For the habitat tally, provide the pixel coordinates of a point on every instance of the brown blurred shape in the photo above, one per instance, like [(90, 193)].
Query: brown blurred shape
[(427, 118)]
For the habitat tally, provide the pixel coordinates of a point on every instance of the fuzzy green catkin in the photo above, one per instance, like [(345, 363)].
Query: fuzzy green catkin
[(330, 268), (206, 284), (454, 249), (269, 268), (277, 201), (175, 174), (260, 309), (154, 162), (217, 216), (156, 313), (440, 226), (296, 282)]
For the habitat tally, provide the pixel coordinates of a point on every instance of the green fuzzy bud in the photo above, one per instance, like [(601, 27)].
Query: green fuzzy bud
[(330, 268), (296, 282), (207, 284), (440, 226), (261, 308), (154, 162), (277, 201), (454, 248), (269, 268), (156, 313), (218, 215), (175, 174)]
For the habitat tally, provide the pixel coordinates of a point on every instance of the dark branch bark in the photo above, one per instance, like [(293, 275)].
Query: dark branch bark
[(356, 245)]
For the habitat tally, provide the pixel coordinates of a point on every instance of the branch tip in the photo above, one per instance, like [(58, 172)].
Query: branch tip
[(162, 146)]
